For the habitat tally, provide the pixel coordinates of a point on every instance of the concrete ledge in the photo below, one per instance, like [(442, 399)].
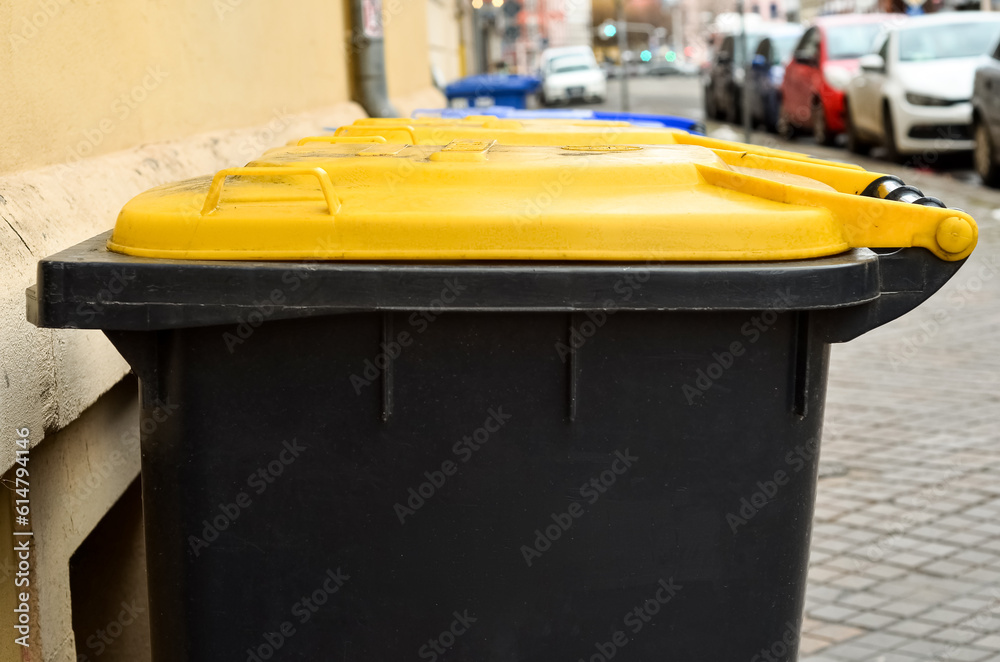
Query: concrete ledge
[(49, 377), (79, 472)]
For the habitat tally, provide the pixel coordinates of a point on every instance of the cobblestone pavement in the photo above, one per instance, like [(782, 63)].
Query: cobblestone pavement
[(905, 560), (906, 543)]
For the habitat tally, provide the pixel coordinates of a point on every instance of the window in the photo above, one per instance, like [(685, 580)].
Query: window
[(764, 50), (781, 48), (849, 42), (940, 42), (809, 46), (884, 49)]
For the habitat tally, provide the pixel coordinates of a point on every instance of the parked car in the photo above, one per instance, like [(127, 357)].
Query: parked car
[(766, 73), (914, 93), (723, 84), (986, 119), (822, 64), (675, 68), (572, 74)]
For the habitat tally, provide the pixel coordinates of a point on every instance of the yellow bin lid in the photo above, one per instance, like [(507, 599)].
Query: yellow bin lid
[(478, 200), (555, 132)]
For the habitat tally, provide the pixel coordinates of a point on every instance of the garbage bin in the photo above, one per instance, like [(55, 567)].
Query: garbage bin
[(506, 112), (557, 132), (483, 402), (493, 90)]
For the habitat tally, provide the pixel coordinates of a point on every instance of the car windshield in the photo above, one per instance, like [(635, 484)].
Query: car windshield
[(565, 65), (781, 47), (938, 42), (849, 42)]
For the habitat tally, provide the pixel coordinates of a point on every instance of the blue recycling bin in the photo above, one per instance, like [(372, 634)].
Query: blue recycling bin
[(493, 90), (507, 112)]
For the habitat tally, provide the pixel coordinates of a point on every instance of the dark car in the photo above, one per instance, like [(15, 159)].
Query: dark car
[(766, 73), (986, 120), (724, 77)]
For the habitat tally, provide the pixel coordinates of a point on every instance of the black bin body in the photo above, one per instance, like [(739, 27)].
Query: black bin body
[(489, 462)]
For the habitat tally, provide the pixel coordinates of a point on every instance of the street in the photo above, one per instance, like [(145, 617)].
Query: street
[(905, 561)]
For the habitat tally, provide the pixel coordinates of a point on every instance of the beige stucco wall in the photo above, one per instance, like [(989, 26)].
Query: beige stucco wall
[(407, 59), (101, 101), (443, 37), (84, 77)]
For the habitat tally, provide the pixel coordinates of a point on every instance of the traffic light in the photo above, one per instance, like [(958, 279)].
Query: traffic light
[(645, 56), (610, 30), (670, 56)]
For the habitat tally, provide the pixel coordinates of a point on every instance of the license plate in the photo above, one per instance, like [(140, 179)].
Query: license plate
[(575, 91)]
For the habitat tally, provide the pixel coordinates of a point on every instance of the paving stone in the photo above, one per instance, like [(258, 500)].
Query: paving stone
[(943, 616), (905, 562)]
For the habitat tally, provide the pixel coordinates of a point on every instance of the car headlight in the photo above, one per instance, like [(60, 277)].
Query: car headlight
[(836, 77), (925, 100)]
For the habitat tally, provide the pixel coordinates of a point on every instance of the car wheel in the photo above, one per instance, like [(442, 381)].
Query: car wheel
[(889, 139), (710, 109), (821, 131), (771, 115), (732, 111), (784, 126), (855, 143), (982, 155)]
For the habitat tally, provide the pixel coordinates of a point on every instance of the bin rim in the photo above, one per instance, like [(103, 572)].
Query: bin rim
[(88, 286)]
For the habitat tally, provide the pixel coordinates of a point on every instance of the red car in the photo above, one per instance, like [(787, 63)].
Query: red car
[(823, 62)]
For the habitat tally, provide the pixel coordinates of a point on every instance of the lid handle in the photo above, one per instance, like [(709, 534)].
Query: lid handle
[(215, 190), (341, 139), (352, 130)]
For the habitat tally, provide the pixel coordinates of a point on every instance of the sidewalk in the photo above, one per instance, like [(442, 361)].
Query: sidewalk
[(905, 558)]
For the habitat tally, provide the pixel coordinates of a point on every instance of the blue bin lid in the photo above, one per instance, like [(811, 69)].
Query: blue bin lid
[(506, 112), (492, 84)]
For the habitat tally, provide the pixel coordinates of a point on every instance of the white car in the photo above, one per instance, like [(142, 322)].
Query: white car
[(572, 74), (914, 93)]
